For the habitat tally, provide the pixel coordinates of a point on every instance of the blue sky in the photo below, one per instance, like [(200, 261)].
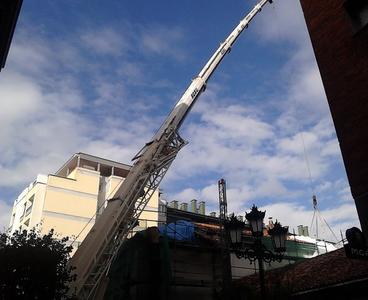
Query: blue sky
[(100, 78)]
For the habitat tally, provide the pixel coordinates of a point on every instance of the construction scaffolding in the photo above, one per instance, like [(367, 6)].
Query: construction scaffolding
[(186, 256)]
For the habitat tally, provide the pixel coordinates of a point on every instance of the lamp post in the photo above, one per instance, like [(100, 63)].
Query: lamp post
[(257, 251)]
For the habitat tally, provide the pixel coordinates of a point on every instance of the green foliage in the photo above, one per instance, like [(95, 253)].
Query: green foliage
[(34, 266)]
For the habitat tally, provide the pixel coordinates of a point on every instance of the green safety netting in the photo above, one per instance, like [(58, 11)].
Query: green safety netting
[(141, 270)]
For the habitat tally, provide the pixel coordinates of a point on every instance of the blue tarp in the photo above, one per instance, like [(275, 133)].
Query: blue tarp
[(180, 230)]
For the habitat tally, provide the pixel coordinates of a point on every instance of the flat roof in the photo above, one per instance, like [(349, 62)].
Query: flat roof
[(85, 158)]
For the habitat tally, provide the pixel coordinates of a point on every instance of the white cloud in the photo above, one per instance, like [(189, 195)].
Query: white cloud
[(294, 144), (303, 99), (27, 53), (19, 98), (186, 195), (282, 21), (306, 90), (40, 131), (331, 148), (235, 123), (209, 194), (5, 212), (234, 141), (162, 41), (48, 116), (132, 72), (105, 41), (149, 40), (260, 157), (293, 214)]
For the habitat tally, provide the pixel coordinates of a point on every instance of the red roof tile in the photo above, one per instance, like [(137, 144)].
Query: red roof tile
[(319, 272)]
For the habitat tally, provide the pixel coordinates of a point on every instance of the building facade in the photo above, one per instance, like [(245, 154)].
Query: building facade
[(70, 200), (339, 33)]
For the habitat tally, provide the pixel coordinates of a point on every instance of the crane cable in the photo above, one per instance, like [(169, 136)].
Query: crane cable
[(299, 127), (306, 158), (316, 212), (305, 155)]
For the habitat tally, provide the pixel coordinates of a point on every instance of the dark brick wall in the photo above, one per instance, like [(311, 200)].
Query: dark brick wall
[(342, 57)]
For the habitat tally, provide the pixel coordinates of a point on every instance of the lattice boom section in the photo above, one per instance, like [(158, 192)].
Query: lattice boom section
[(147, 184)]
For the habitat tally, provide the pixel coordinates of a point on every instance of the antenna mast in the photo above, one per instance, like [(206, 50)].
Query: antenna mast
[(225, 255)]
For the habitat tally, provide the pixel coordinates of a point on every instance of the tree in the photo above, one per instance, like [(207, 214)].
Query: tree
[(34, 266)]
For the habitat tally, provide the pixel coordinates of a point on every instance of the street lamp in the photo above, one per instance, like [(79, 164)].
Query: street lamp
[(235, 228), (255, 218), (278, 235), (257, 251)]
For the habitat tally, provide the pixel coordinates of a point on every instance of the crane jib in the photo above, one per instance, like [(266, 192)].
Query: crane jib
[(194, 93), (96, 253)]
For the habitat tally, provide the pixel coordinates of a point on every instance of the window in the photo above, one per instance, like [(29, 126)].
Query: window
[(143, 223), (358, 12), (12, 220), (24, 211), (162, 208), (30, 205)]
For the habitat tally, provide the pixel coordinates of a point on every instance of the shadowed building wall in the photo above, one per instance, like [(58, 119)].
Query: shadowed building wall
[(9, 12), (339, 33)]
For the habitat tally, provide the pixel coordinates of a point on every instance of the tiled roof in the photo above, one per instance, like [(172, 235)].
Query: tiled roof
[(320, 272)]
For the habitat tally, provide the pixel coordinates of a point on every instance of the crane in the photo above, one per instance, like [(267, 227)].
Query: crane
[(96, 253)]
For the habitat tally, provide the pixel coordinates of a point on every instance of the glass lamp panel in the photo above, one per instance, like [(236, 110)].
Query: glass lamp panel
[(253, 224), (257, 227), (283, 240), (276, 241), (260, 226), (235, 235), (238, 235), (255, 218), (279, 241)]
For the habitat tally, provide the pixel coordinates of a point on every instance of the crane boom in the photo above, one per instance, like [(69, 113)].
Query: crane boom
[(97, 251), (198, 84)]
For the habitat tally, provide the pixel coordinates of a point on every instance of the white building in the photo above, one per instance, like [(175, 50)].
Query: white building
[(70, 200)]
